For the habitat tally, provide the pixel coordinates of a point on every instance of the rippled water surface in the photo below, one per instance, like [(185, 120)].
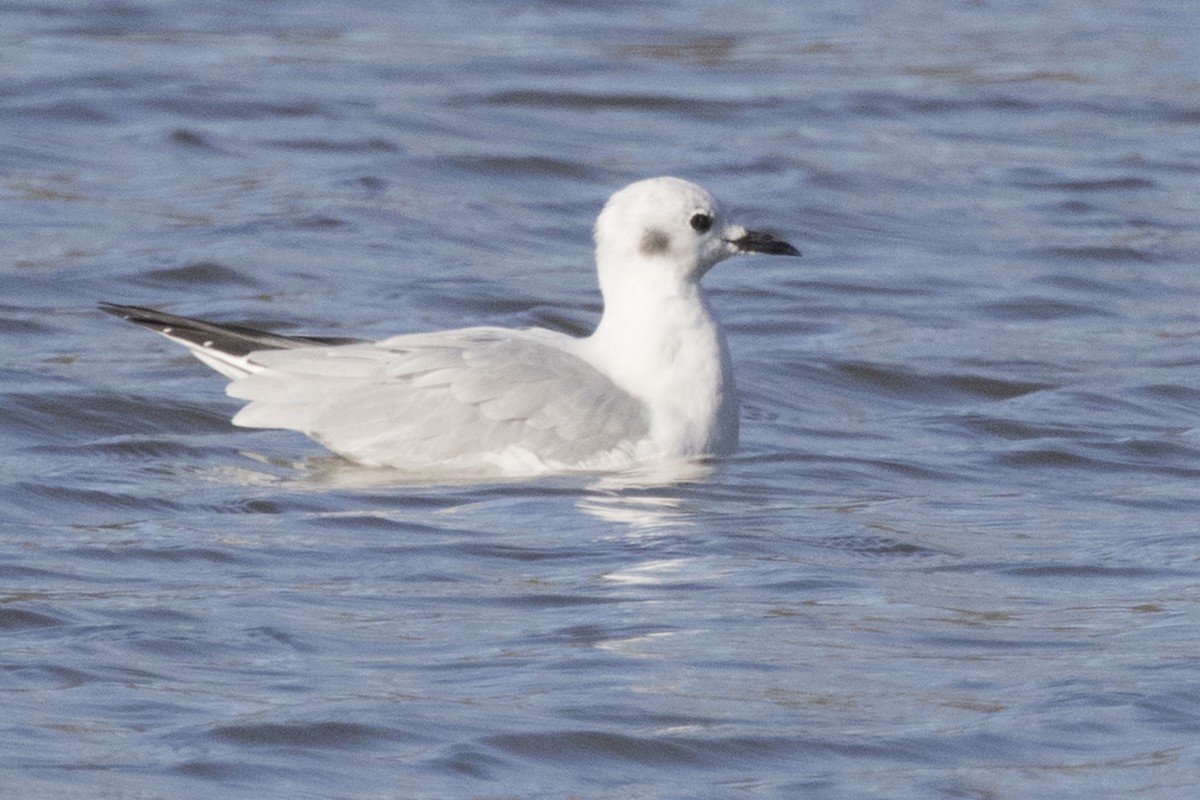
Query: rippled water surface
[(955, 557)]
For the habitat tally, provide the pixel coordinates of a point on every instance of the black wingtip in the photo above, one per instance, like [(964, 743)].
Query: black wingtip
[(142, 315), (233, 339)]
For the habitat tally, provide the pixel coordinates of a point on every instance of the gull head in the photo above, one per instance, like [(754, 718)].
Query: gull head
[(674, 228)]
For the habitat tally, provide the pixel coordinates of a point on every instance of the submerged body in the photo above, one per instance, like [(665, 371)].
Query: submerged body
[(653, 382)]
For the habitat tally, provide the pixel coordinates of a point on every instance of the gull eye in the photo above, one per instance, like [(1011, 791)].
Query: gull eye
[(700, 222)]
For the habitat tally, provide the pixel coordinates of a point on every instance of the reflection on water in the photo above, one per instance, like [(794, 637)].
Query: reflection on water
[(638, 500), (639, 512), (649, 572), (641, 498), (627, 497)]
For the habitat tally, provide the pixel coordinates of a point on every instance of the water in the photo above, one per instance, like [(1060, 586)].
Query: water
[(955, 557)]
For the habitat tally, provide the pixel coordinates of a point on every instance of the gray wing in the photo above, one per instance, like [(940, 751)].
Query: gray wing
[(473, 396)]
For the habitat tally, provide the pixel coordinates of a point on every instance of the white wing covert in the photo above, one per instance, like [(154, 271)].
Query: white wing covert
[(477, 395)]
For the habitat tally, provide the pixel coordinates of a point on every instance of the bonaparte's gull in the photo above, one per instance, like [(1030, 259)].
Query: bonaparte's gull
[(652, 383)]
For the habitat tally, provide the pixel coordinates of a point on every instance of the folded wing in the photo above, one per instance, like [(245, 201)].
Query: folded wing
[(455, 398)]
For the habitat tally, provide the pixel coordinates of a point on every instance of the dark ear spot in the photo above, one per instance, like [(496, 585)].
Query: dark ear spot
[(655, 242)]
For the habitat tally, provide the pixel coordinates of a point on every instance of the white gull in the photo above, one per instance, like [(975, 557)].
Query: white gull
[(652, 384)]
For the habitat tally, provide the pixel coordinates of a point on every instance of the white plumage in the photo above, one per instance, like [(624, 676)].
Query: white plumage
[(652, 383)]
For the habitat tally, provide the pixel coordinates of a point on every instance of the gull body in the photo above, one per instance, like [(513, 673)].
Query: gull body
[(652, 383)]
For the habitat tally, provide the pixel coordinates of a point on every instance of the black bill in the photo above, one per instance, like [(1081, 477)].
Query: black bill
[(759, 242)]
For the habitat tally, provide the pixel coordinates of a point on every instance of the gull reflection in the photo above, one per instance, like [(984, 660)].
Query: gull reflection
[(639, 498)]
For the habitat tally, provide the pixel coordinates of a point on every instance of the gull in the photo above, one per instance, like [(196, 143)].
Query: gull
[(652, 384)]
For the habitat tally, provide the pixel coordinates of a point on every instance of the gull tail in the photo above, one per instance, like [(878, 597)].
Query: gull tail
[(225, 348)]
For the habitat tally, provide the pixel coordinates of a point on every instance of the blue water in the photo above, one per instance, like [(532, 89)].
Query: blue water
[(956, 556)]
